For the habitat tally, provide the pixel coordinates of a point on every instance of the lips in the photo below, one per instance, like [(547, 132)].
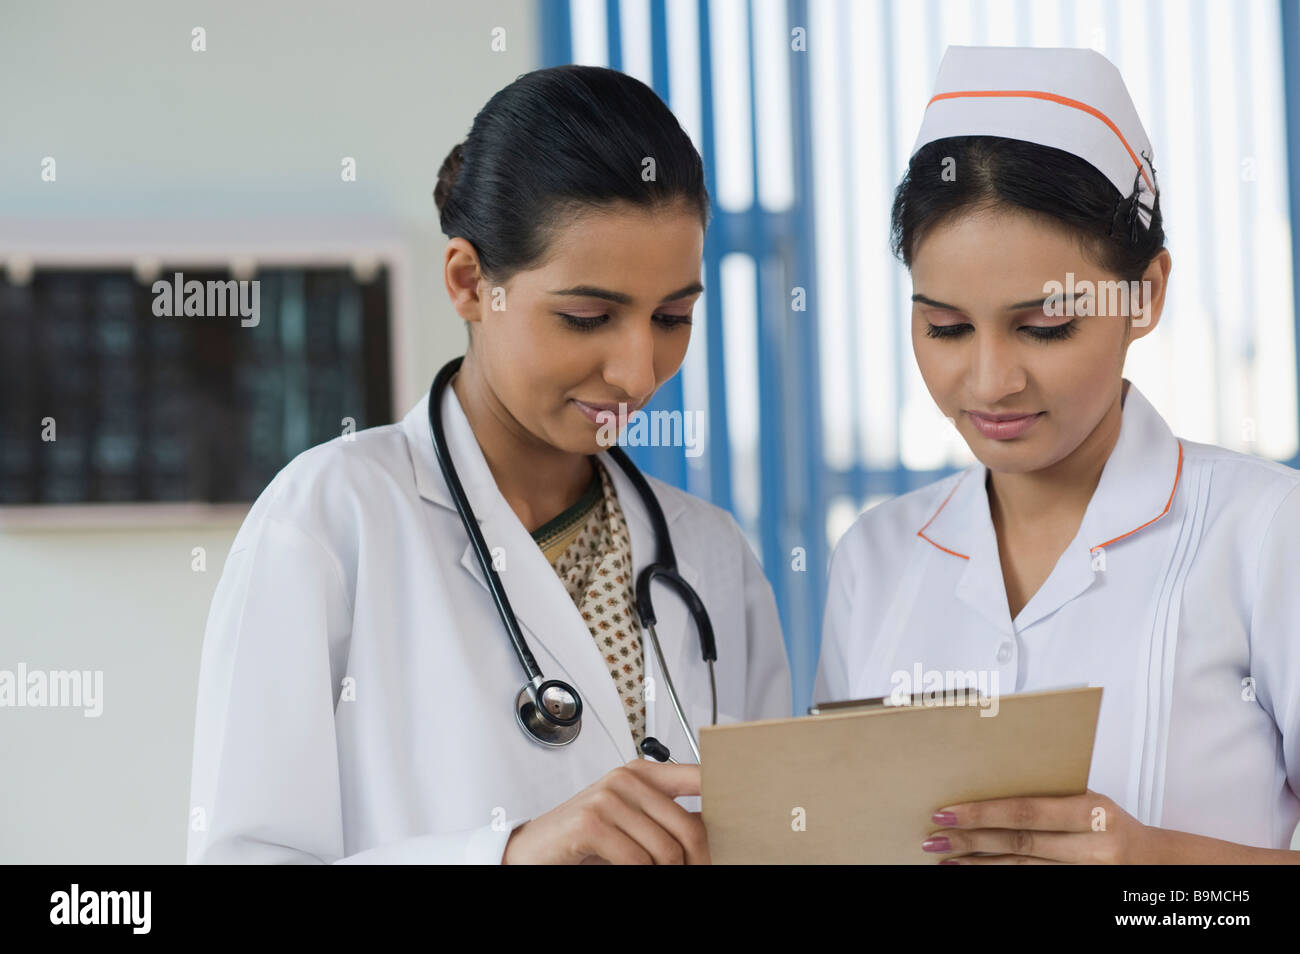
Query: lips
[(1003, 427), (599, 413)]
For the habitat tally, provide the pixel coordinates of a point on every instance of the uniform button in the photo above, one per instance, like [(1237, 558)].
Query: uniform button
[(1004, 652)]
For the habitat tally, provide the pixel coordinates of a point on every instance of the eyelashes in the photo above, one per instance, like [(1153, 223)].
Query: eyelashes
[(586, 323), (591, 323), (1050, 333), (1053, 333), (945, 331)]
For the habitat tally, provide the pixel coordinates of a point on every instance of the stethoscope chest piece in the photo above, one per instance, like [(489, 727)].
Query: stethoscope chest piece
[(562, 720)]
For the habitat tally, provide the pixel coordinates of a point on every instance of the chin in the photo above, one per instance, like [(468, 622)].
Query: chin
[(1004, 466), (1008, 457), (584, 441), (1021, 459)]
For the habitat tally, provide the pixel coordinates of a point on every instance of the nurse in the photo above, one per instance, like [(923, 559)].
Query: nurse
[(357, 692), (1089, 544)]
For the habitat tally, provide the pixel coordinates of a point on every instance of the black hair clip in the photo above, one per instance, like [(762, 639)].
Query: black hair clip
[(1126, 210), (1131, 222), (1123, 221)]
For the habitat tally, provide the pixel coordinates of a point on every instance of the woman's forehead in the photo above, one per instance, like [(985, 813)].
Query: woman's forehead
[(634, 252), (976, 237)]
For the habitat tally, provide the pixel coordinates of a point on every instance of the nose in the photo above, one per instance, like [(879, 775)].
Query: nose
[(630, 363), (996, 369)]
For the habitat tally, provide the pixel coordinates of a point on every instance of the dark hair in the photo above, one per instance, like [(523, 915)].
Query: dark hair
[(995, 172), (559, 140)]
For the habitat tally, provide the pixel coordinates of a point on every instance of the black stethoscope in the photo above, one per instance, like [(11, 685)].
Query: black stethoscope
[(549, 710)]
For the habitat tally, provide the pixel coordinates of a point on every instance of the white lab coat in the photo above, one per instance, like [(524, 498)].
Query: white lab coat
[(356, 693), (1188, 616)]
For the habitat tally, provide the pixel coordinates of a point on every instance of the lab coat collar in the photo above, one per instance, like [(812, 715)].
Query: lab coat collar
[(1136, 489), (464, 447), (536, 593), (1139, 480)]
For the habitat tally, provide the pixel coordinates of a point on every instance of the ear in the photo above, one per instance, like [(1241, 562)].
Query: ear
[(1155, 282), (463, 277)]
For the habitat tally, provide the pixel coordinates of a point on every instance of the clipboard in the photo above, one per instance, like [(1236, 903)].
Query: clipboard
[(857, 783)]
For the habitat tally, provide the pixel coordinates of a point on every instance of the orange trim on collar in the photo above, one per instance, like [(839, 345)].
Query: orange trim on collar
[(1168, 503), (1053, 98), (921, 533)]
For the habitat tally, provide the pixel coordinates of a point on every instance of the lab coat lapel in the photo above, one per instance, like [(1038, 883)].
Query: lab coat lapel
[(556, 633), (1071, 575), (552, 624), (1138, 484), (962, 529), (966, 523), (673, 626), (1136, 489)]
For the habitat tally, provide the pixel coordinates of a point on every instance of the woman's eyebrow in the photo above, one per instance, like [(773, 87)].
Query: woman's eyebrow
[(694, 288), (1042, 302), (1017, 306), (922, 300), (591, 291)]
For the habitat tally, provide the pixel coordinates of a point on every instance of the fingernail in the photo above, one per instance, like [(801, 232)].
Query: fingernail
[(944, 818), (936, 844)]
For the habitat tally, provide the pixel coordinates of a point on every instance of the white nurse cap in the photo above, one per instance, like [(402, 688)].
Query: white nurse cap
[(1071, 99)]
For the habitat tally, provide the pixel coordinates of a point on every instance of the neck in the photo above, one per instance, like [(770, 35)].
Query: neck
[(539, 481), (1060, 493)]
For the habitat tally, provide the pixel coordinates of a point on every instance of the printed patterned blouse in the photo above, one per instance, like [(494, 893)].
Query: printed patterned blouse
[(589, 547)]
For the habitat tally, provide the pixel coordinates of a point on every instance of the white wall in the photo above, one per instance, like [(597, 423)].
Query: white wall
[(248, 134)]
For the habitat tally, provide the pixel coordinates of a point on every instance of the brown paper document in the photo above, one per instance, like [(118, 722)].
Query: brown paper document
[(859, 785)]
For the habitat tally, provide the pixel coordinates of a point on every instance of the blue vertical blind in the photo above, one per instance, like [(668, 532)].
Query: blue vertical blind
[(805, 112), (730, 73)]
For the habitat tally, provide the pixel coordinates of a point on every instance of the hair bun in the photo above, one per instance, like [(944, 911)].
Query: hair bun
[(447, 175)]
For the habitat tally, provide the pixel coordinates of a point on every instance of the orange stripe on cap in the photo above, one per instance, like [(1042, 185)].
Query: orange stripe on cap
[(1177, 475), (1052, 98), (921, 533)]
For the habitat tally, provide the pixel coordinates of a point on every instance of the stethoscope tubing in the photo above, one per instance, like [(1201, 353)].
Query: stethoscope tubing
[(531, 670), (663, 569)]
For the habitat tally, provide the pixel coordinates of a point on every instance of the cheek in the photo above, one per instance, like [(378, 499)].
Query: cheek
[(527, 356), (670, 352), (1085, 365), (922, 350), (515, 353), (1077, 382), (941, 363)]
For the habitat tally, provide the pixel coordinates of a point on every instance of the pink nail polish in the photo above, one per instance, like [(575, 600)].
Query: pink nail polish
[(936, 844), (944, 818)]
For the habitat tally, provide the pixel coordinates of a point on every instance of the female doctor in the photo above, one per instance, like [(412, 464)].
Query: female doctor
[(1088, 544), (360, 697)]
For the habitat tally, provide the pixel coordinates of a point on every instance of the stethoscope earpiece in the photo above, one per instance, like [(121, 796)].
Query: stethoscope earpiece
[(654, 749)]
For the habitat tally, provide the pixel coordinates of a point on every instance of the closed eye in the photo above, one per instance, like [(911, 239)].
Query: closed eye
[(947, 331), (583, 322), (592, 322), (1040, 332), (1052, 332)]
